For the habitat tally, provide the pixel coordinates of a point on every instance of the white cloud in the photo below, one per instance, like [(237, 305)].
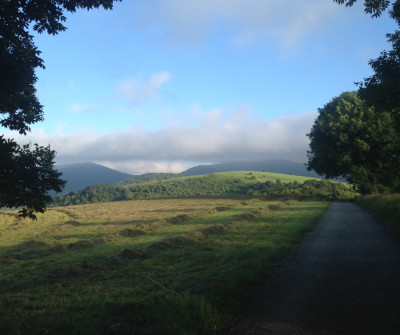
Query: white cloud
[(137, 91), (144, 166), (287, 21), (239, 136), (78, 108)]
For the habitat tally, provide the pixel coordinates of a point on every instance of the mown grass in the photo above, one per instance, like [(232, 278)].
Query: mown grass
[(141, 267), (386, 208)]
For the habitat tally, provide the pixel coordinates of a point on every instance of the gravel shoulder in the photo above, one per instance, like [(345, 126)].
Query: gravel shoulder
[(344, 278)]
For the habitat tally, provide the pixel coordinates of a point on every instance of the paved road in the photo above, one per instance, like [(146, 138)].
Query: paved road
[(344, 278)]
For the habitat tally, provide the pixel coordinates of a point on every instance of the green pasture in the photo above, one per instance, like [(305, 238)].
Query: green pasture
[(142, 267), (221, 184)]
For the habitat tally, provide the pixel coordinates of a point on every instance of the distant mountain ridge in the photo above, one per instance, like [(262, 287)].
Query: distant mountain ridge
[(276, 166), (83, 175)]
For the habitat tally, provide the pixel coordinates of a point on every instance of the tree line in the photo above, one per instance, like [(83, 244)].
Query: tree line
[(208, 187)]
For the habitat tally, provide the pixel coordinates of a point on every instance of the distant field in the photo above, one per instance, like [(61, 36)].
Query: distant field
[(252, 177), (156, 186), (246, 176), (141, 267)]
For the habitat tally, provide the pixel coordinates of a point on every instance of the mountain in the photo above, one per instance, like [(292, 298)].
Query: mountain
[(82, 175), (276, 166)]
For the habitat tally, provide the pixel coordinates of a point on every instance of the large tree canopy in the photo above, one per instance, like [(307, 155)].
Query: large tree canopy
[(382, 89), (26, 176), (351, 140), (357, 135)]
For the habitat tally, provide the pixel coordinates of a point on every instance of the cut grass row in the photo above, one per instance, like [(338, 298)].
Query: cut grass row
[(185, 276)]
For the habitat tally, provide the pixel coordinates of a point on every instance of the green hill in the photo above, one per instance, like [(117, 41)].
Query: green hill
[(275, 166), (223, 184)]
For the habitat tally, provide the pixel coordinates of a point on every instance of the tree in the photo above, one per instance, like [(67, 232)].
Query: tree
[(382, 89), (351, 140), (26, 177), (19, 105), (373, 7)]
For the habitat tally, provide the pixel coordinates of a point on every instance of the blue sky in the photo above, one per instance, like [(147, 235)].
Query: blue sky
[(163, 85)]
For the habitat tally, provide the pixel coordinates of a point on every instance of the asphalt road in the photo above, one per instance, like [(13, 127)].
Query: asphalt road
[(344, 278)]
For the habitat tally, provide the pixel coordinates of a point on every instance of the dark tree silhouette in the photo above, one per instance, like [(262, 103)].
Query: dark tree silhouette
[(382, 89), (351, 140), (27, 175)]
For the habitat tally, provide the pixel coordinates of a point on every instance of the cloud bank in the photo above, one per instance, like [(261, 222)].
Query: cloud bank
[(237, 136)]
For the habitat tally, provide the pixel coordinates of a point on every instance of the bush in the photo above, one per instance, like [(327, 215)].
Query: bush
[(312, 188), (386, 208)]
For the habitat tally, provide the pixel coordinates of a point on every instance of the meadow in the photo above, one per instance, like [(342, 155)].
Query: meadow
[(170, 266)]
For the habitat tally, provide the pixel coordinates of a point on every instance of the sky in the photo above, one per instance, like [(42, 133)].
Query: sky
[(164, 85)]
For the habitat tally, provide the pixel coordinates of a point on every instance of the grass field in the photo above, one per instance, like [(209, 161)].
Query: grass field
[(141, 267)]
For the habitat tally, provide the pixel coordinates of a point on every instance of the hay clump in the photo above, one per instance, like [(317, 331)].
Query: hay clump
[(276, 206), (131, 232), (178, 241), (216, 229), (223, 208), (80, 245), (178, 219), (131, 253), (291, 202)]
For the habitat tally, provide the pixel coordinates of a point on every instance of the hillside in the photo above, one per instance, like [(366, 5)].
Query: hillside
[(83, 175), (275, 166), (222, 184), (148, 177)]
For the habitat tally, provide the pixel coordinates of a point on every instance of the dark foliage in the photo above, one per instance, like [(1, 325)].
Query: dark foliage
[(177, 188), (382, 89), (353, 141), (312, 188), (206, 186), (148, 177), (373, 7), (26, 177), (19, 105)]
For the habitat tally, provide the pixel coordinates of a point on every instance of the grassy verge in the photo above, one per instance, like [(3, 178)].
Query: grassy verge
[(386, 208), (142, 267)]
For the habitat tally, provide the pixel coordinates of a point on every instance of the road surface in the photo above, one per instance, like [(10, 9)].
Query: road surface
[(344, 278)]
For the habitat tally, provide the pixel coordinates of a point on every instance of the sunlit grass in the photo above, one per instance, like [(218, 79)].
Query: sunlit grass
[(83, 270)]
